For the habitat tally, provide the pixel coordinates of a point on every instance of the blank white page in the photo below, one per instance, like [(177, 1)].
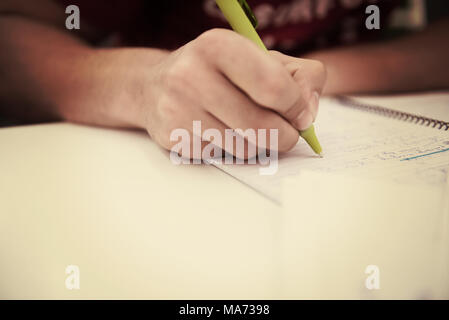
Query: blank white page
[(361, 144), (400, 230)]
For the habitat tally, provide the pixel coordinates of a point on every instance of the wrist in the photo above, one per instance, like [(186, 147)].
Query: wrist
[(111, 87)]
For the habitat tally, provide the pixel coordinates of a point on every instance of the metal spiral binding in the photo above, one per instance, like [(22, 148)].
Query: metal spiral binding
[(404, 116)]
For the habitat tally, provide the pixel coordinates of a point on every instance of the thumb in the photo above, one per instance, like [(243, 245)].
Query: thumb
[(310, 77)]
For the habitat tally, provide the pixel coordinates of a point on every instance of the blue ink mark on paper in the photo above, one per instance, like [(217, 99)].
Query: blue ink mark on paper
[(425, 155)]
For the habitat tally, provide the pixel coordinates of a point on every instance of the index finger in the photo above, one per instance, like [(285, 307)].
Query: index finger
[(264, 79)]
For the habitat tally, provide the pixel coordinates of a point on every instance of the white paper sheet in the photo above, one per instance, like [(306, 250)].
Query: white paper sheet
[(359, 143), (368, 240)]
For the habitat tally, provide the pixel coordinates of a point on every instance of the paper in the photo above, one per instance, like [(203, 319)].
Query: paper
[(362, 144), (356, 246)]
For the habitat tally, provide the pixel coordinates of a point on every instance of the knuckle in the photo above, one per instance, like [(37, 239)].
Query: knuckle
[(287, 137), (176, 78), (210, 43), (320, 70), (312, 74), (267, 120), (211, 35), (273, 88), (169, 113), (295, 110), (320, 66)]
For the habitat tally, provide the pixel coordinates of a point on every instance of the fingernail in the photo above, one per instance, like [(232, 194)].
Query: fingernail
[(304, 121), (314, 104), (308, 115)]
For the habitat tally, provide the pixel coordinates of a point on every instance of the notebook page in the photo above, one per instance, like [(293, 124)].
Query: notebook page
[(361, 144)]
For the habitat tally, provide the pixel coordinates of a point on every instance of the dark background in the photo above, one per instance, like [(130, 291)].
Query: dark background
[(437, 9)]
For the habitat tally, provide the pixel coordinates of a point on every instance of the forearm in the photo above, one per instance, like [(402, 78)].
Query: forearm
[(47, 74), (416, 62)]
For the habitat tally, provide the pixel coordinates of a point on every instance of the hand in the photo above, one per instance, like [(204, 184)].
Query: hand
[(226, 81)]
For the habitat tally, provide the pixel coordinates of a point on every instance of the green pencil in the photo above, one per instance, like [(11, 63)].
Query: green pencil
[(243, 21)]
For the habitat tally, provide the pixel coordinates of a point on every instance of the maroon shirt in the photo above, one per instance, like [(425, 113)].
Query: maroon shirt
[(286, 25)]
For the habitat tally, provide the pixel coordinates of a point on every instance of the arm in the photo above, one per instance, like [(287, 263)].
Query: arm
[(48, 74), (416, 62)]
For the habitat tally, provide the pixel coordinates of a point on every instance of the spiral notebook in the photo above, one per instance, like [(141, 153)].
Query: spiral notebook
[(363, 140), (395, 114)]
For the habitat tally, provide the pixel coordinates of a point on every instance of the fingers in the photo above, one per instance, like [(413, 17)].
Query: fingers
[(249, 68), (208, 138), (237, 111), (194, 133), (310, 77), (192, 139), (286, 85), (227, 82)]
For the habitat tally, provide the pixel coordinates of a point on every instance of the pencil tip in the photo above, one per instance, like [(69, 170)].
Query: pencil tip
[(320, 155)]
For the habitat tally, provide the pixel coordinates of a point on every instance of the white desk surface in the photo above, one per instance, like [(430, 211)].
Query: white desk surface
[(112, 203), (137, 226)]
